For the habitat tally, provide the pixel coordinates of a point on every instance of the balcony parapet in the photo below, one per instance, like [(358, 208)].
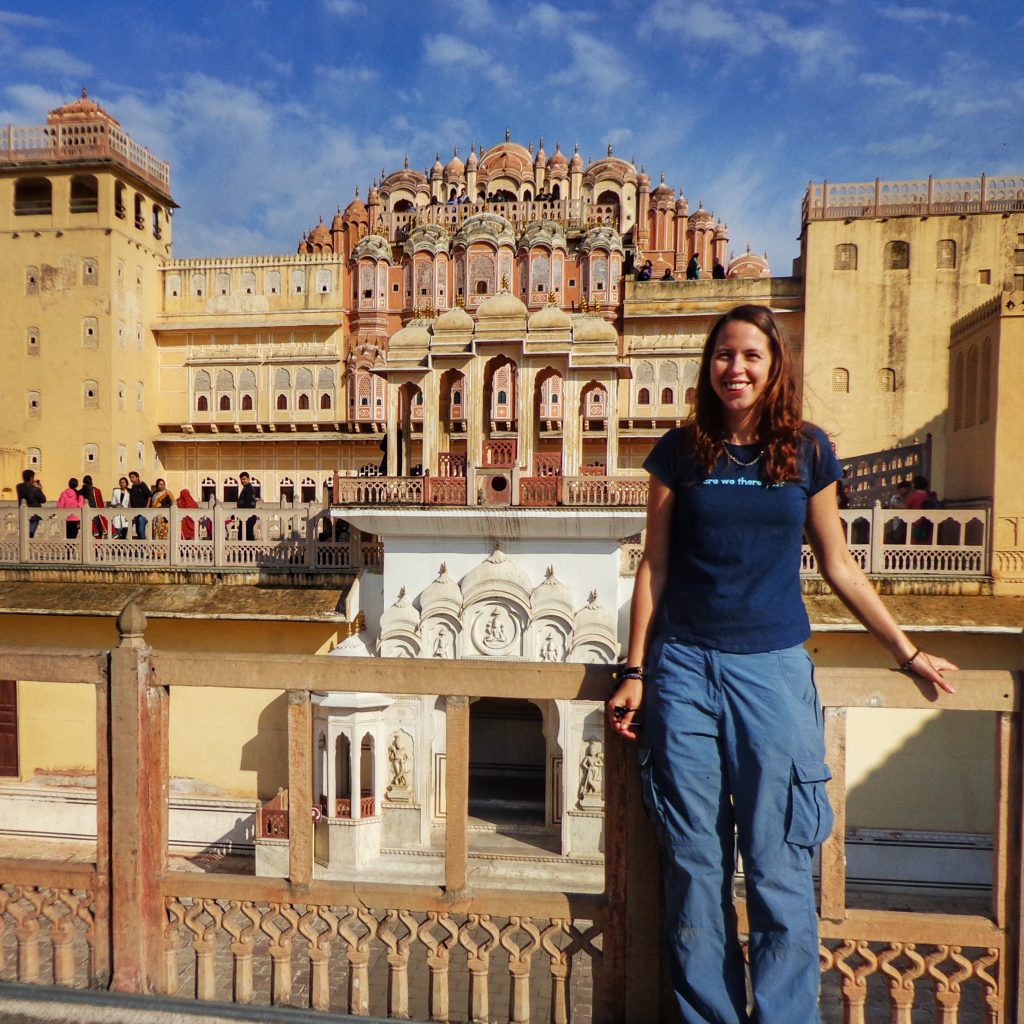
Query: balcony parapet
[(913, 197), (58, 143)]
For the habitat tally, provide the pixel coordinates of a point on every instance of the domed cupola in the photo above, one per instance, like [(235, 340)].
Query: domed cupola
[(455, 169), (557, 164)]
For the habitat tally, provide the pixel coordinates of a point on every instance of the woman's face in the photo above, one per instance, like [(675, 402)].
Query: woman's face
[(740, 365), (123, 483), (160, 484)]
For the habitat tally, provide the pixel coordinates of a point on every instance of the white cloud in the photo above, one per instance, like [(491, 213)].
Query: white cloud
[(922, 15), (52, 60), (815, 47), (473, 15), (447, 51), (347, 76), (24, 20), (595, 66), (343, 8), (553, 21)]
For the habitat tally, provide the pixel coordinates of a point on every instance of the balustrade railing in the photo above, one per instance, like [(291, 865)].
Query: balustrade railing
[(137, 924), (915, 542), (270, 535)]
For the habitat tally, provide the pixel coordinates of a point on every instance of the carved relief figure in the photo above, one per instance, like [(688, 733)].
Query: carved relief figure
[(494, 631), (592, 771), (442, 643), (552, 649), (399, 761)]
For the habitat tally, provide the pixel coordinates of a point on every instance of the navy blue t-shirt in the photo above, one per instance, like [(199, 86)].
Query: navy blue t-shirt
[(734, 565)]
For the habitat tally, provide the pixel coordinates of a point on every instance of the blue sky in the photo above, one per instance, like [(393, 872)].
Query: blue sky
[(271, 112)]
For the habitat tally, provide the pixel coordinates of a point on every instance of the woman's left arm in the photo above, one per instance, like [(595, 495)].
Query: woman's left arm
[(854, 589)]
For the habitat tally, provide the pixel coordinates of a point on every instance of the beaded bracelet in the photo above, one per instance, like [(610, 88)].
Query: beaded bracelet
[(630, 672)]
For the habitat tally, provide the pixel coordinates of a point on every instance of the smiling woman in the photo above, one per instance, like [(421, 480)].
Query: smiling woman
[(732, 733)]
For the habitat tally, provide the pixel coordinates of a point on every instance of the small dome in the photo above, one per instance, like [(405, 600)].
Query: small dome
[(503, 305), (454, 319), (576, 163), (701, 216), (355, 646), (356, 210), (549, 318), (541, 159), (593, 328), (496, 575), (412, 338), (508, 158), (320, 233), (438, 168), (662, 189), (682, 205), (472, 161), (749, 264), (552, 597), (373, 196), (81, 110), (338, 222), (455, 168), (400, 617), (721, 232), (442, 595)]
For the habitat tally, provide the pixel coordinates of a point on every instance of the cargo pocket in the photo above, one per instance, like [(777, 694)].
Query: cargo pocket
[(810, 814), (648, 789)]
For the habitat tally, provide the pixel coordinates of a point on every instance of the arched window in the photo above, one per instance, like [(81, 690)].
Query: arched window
[(119, 209), (33, 197), (157, 229), (886, 379), (90, 332), (840, 380), (958, 392), (691, 396), (502, 398), (90, 394), (90, 455), (896, 256), (198, 285), (34, 404), (32, 341), (945, 254), (325, 401), (90, 271), (272, 282), (667, 396), (281, 402), (845, 257), (247, 403), (643, 397), (202, 403), (85, 194), (248, 283), (222, 284), (985, 383), (224, 403), (303, 401), (971, 390), (140, 216), (35, 458)]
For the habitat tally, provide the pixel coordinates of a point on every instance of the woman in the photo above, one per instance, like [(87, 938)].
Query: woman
[(188, 524), (161, 498), (70, 498), (732, 740), (93, 498), (119, 498)]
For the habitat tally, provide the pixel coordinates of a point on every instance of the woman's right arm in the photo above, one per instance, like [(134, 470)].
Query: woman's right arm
[(647, 590)]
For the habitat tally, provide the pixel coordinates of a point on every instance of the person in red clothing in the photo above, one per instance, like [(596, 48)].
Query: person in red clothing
[(919, 494)]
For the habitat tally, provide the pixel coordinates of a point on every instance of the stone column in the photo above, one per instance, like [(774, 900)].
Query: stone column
[(572, 424), (137, 805), (300, 780), (527, 422), (612, 428)]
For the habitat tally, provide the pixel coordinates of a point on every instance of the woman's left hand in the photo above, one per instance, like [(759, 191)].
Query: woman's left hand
[(931, 667), (623, 705)]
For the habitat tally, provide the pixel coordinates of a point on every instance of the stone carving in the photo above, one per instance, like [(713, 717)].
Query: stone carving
[(400, 769), (443, 643), (592, 775), (552, 649)]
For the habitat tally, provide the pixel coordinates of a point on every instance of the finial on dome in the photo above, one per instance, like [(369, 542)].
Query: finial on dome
[(444, 568), (609, 149), (541, 142), (405, 165), (576, 147), (529, 148), (593, 597), (508, 135), (549, 572), (437, 154), (663, 177), (85, 93), (455, 151), (357, 193)]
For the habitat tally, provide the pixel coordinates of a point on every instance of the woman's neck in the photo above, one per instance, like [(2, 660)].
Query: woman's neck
[(742, 431)]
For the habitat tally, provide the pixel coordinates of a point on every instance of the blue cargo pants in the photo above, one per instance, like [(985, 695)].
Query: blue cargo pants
[(732, 746)]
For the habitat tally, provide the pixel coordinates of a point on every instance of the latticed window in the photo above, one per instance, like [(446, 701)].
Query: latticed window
[(845, 256), (840, 380), (945, 254), (985, 381), (897, 256), (644, 382), (886, 379)]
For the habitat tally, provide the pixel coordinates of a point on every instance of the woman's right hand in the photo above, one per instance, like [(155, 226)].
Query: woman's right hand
[(623, 705)]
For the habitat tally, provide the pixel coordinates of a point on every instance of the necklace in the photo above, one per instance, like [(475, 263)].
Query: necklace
[(729, 455)]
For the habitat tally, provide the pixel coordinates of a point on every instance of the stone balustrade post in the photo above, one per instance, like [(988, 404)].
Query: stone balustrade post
[(876, 556), (219, 536), (24, 551), (137, 785), (174, 535)]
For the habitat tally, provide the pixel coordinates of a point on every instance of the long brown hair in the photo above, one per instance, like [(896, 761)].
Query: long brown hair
[(778, 409)]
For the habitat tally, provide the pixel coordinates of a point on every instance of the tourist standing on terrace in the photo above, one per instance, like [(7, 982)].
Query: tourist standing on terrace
[(732, 739), (31, 494)]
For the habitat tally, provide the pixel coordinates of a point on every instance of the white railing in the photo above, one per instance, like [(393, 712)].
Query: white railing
[(268, 536), (915, 542)]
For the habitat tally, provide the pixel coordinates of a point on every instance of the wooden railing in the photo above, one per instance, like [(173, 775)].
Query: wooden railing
[(144, 926)]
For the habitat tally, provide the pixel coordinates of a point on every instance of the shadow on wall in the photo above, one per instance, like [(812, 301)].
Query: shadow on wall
[(938, 778), (266, 753)]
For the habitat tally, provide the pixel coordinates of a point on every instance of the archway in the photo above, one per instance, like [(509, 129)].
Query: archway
[(507, 761)]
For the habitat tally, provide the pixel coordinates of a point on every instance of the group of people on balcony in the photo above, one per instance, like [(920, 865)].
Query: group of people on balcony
[(646, 272)]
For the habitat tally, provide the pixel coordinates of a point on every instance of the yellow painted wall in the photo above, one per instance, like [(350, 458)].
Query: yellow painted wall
[(56, 729), (871, 318)]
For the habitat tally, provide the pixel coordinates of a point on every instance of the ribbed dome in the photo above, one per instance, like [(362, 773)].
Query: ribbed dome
[(455, 168), (455, 319), (80, 111), (549, 318), (443, 594), (593, 328), (503, 305), (496, 574), (557, 159)]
